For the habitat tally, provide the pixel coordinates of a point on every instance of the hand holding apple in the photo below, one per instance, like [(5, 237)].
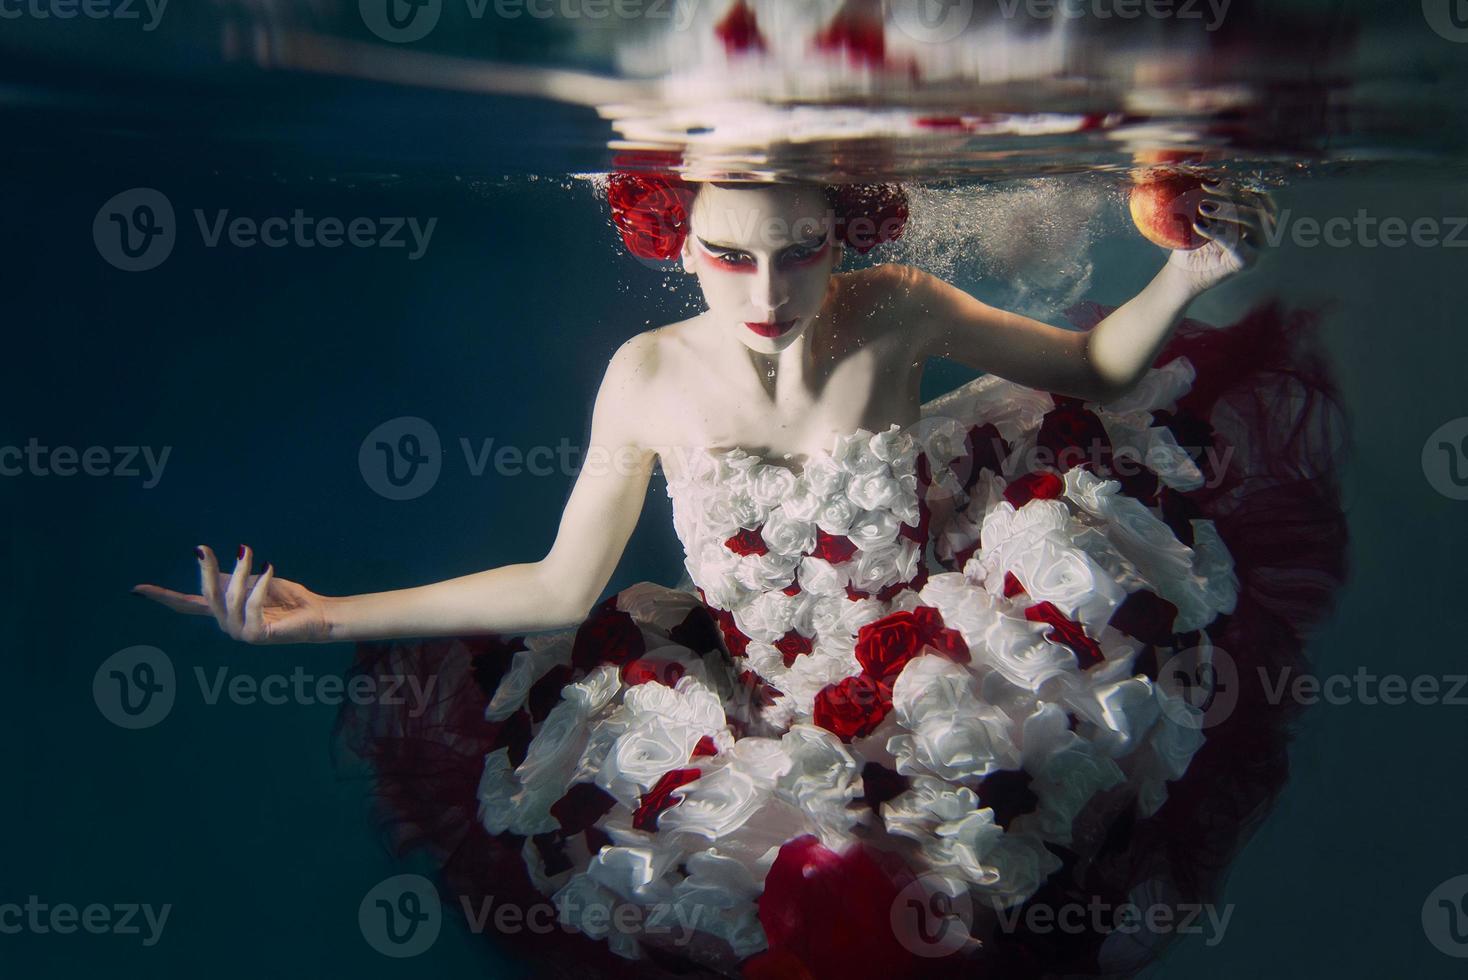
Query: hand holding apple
[(1215, 228)]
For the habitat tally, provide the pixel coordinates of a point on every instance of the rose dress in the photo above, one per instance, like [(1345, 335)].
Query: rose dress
[(953, 667)]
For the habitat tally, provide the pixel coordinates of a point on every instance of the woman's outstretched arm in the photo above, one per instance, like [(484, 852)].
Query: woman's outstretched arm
[(556, 591), (1106, 361)]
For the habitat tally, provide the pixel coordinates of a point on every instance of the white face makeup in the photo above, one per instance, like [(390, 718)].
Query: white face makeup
[(764, 257)]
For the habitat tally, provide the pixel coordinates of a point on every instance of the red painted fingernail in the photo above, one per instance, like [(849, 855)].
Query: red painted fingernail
[(241, 555)]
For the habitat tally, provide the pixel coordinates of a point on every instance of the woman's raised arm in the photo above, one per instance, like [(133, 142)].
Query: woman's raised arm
[(556, 591), (1106, 361)]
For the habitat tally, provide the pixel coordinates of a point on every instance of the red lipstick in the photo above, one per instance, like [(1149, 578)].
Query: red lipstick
[(771, 329)]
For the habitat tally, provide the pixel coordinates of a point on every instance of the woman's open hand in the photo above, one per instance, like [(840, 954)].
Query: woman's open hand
[(251, 608), (1238, 224)]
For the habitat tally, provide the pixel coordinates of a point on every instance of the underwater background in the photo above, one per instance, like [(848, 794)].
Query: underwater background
[(261, 372)]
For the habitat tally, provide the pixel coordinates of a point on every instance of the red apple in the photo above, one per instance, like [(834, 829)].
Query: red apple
[(1164, 205)]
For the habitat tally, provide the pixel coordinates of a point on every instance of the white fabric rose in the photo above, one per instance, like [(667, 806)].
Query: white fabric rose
[(746, 511), (802, 504), (874, 529), (820, 578), (788, 536), (823, 476), (770, 484), (762, 573), (835, 515), (878, 490)]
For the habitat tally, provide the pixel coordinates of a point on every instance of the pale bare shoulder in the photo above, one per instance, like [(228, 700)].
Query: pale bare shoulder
[(635, 387), (881, 301)]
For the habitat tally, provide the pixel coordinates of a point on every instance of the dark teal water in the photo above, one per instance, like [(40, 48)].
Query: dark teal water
[(260, 371)]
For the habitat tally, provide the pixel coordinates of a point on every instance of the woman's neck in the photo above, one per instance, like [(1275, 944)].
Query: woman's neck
[(791, 376)]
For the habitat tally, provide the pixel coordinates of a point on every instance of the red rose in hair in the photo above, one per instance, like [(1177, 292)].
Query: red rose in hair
[(651, 212), (854, 707), (868, 214)]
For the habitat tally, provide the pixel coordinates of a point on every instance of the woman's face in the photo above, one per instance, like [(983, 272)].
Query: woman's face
[(764, 256)]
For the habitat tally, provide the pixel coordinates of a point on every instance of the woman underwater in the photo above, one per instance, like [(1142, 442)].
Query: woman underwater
[(835, 750)]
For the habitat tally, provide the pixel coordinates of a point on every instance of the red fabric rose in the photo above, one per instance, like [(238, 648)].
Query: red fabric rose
[(853, 707), (834, 548), (984, 449), (651, 212), (1075, 436), (1067, 631), (734, 638), (793, 645), (761, 693), (1035, 485), (828, 915), (660, 797), (1012, 585), (862, 38), (608, 636), (644, 669), (747, 541), (738, 30), (884, 647)]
